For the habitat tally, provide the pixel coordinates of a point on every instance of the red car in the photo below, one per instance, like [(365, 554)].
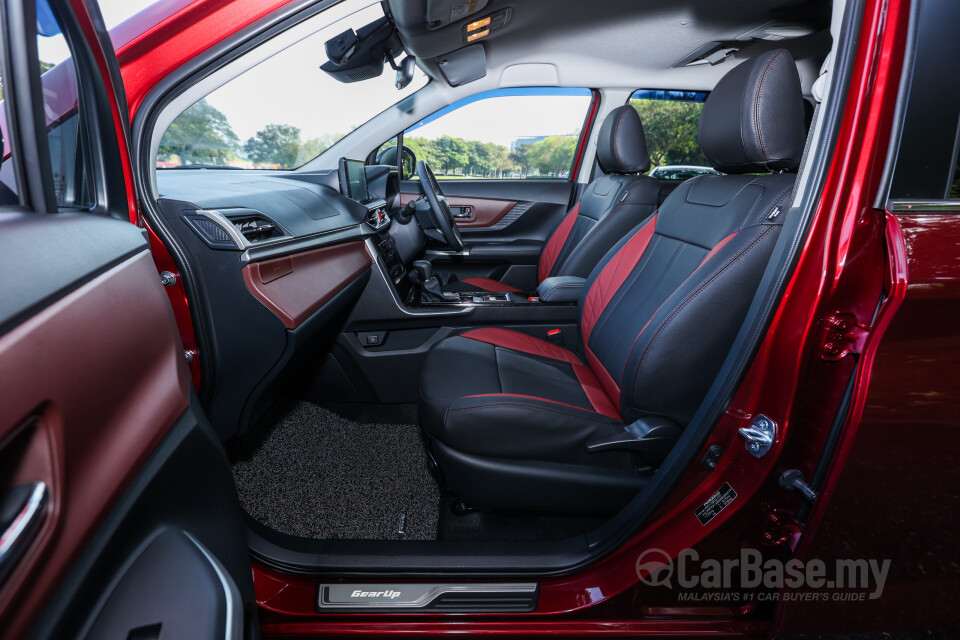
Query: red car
[(345, 318)]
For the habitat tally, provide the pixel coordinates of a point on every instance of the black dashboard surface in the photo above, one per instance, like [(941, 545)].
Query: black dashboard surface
[(302, 203)]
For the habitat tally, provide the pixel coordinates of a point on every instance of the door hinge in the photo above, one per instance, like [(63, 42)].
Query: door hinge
[(841, 335), (779, 528)]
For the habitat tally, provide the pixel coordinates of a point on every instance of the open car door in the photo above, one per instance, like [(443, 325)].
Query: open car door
[(118, 514)]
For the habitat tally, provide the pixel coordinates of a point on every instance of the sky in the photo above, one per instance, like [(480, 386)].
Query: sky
[(114, 12), (290, 88)]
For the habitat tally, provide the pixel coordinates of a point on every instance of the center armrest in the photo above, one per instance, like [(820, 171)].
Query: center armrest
[(561, 289), (516, 251)]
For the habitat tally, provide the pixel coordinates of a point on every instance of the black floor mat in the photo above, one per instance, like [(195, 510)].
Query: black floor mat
[(317, 474)]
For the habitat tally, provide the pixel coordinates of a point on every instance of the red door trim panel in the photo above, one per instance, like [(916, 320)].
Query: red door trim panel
[(485, 212), (85, 435)]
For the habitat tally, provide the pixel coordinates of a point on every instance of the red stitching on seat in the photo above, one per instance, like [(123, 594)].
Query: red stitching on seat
[(756, 106)]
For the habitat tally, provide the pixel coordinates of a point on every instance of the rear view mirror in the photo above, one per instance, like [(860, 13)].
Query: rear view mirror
[(360, 55), (405, 72)]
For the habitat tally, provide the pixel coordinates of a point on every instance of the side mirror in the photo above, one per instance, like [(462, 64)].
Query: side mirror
[(405, 72), (389, 157)]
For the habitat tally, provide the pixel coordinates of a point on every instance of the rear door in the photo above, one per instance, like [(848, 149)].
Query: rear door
[(118, 515), (507, 161)]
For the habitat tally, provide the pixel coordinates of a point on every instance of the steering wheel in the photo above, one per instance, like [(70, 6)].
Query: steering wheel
[(439, 209)]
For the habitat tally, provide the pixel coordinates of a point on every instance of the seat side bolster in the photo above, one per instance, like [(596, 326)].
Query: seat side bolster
[(607, 232), (521, 342), (555, 243), (610, 275)]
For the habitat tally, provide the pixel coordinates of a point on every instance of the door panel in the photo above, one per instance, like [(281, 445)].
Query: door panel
[(527, 209), (98, 422), (471, 213), (93, 378), (511, 221)]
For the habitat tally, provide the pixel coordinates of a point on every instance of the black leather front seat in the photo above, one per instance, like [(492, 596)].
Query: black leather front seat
[(510, 417), (610, 206)]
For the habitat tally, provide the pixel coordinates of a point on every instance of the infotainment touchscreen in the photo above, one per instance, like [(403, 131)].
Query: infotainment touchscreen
[(353, 180)]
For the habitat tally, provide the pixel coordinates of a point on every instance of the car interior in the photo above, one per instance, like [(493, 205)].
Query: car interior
[(416, 369)]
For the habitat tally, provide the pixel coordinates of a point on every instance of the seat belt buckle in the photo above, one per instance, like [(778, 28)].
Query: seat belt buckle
[(555, 335)]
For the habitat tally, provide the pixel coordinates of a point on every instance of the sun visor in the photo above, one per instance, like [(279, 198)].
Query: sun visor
[(464, 65)]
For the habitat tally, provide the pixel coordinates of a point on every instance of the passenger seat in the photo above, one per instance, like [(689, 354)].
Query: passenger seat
[(613, 204)]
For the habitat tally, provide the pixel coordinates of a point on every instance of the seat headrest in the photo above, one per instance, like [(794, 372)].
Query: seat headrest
[(753, 118), (621, 145)]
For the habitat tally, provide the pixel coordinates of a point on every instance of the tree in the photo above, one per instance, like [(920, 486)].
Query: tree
[(671, 131), (201, 134), (501, 160), (275, 144), (312, 147), (424, 150), (453, 154), (519, 157), (553, 155)]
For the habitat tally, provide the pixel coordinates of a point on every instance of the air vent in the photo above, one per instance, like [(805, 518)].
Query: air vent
[(212, 229), (377, 218), (256, 228)]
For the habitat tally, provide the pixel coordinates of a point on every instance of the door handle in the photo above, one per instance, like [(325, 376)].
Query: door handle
[(462, 212), (21, 510)]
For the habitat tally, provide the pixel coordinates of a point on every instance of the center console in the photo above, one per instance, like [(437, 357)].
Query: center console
[(386, 246), (476, 298)]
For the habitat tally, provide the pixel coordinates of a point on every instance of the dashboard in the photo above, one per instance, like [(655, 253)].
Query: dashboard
[(278, 258)]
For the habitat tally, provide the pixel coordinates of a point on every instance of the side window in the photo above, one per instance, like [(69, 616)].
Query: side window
[(67, 137), (670, 121), (504, 134), (926, 166)]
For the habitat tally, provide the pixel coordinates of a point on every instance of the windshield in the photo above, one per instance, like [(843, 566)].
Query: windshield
[(284, 111)]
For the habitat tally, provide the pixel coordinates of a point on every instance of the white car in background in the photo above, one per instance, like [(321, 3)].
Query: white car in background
[(680, 172)]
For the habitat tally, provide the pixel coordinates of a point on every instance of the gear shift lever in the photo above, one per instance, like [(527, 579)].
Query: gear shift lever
[(422, 276), (424, 268)]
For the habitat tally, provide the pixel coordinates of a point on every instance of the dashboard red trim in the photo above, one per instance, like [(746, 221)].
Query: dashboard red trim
[(294, 287)]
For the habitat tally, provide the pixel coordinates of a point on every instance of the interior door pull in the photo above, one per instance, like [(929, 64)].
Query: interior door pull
[(21, 510)]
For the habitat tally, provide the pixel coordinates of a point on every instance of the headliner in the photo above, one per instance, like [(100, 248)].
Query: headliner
[(620, 43)]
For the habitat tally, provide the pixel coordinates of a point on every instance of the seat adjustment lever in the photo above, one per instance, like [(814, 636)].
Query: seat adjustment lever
[(652, 438)]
